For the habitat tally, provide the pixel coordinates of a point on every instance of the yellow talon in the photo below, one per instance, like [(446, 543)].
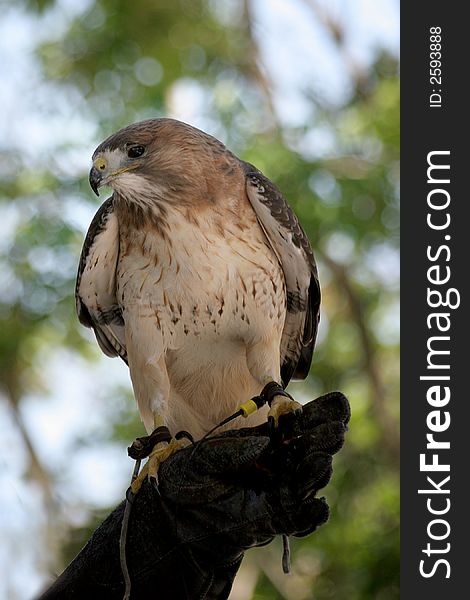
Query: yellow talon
[(159, 454), (281, 405)]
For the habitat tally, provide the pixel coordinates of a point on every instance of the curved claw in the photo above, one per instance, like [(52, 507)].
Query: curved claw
[(155, 483), (159, 454), (280, 406), (129, 495)]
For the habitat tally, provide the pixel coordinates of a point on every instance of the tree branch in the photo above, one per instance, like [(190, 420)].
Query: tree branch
[(379, 395), (255, 64), (35, 469), (337, 34)]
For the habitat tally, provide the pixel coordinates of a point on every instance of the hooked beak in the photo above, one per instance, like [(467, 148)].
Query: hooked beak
[(95, 178)]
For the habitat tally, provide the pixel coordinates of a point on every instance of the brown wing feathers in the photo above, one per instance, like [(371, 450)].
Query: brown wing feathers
[(293, 249)]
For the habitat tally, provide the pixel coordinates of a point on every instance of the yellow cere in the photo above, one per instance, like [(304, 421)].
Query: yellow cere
[(99, 163)]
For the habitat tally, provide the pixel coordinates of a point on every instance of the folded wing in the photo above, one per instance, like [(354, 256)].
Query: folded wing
[(95, 291), (292, 247)]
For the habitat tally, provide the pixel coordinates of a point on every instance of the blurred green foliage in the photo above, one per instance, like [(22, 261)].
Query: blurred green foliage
[(125, 61)]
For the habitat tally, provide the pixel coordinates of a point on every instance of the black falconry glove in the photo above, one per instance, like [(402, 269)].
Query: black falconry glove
[(234, 491)]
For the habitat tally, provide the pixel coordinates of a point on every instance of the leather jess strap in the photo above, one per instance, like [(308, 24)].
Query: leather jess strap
[(143, 446)]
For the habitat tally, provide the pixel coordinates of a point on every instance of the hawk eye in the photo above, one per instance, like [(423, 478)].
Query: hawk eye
[(135, 151)]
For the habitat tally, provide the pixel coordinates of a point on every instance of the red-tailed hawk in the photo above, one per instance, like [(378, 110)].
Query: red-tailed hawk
[(197, 274)]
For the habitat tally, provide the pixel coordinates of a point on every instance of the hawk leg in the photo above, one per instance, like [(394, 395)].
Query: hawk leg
[(158, 446), (159, 454), (263, 364), (282, 406), (280, 402)]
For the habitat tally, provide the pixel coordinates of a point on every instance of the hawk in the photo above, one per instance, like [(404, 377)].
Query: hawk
[(197, 273)]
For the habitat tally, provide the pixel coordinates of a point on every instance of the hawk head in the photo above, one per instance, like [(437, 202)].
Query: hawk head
[(154, 158)]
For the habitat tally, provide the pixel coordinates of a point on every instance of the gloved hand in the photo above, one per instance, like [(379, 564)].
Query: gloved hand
[(232, 492)]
